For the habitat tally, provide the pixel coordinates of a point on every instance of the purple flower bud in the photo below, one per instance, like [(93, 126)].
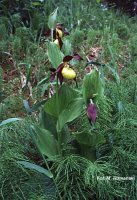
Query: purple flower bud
[(92, 112), (76, 56)]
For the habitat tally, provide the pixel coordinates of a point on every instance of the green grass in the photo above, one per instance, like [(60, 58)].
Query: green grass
[(17, 182)]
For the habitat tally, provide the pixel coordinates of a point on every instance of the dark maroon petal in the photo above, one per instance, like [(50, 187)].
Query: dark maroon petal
[(52, 69), (60, 77), (76, 82), (59, 74), (60, 42), (57, 34), (92, 112), (60, 67), (52, 77), (76, 56), (66, 33), (47, 33), (54, 35), (67, 58)]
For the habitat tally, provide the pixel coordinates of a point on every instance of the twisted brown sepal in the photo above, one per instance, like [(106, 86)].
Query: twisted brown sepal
[(76, 56), (57, 72)]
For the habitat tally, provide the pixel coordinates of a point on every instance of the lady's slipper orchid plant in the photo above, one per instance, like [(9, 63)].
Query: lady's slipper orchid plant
[(64, 104)]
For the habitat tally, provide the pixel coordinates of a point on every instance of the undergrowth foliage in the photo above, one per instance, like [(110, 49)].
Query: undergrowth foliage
[(129, 6), (79, 87)]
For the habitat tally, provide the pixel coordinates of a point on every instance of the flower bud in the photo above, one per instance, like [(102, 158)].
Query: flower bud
[(92, 112)]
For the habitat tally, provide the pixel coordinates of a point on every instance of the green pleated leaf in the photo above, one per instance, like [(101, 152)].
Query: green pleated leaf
[(48, 122), (54, 54), (10, 120), (54, 106), (53, 19), (93, 87), (73, 110), (35, 167), (46, 142), (90, 139), (67, 49)]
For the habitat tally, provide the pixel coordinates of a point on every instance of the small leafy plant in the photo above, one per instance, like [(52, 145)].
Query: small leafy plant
[(67, 103)]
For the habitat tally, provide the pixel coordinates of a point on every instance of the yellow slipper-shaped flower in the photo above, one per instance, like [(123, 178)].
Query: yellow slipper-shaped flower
[(68, 73)]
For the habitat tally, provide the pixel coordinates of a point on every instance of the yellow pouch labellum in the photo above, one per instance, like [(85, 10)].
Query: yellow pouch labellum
[(59, 32), (56, 42), (68, 73)]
